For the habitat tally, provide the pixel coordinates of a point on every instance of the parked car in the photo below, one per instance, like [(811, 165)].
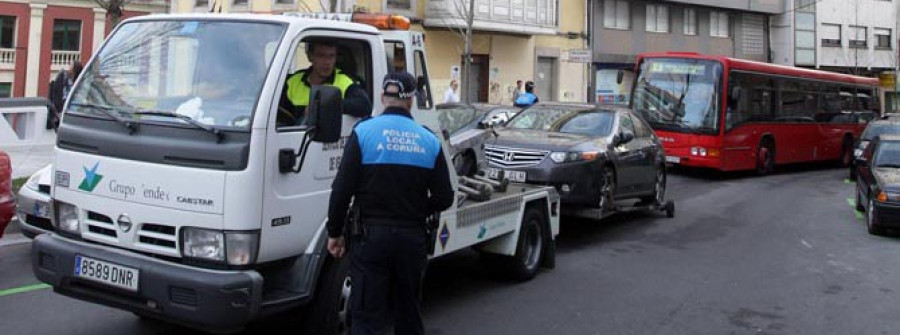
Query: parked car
[(34, 203), (877, 127), (7, 199), (468, 126), (593, 155), (878, 183)]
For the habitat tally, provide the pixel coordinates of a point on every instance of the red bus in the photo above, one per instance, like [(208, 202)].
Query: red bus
[(733, 114)]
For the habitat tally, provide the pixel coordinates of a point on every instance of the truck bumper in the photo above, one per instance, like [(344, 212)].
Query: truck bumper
[(209, 300)]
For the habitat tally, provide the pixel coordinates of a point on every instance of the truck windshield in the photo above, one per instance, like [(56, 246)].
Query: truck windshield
[(208, 72), (677, 94)]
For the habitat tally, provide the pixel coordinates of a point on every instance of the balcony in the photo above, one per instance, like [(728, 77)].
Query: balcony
[(7, 59), (528, 17), (60, 60)]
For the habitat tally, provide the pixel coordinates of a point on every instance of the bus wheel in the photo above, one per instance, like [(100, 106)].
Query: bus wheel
[(765, 158)]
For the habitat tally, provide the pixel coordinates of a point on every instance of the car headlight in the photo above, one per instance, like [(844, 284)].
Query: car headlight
[(235, 248), (888, 196), (572, 156), (857, 152), (66, 217), (32, 183)]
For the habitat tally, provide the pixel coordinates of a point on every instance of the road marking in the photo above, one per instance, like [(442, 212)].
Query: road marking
[(858, 215), (806, 244), (13, 239), (851, 202), (847, 181), (23, 289)]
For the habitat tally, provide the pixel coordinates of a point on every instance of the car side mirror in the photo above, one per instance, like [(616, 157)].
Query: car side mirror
[(324, 113), (620, 76), (861, 161), (625, 137)]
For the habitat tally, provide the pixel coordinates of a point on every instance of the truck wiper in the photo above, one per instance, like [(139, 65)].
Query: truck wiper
[(107, 110), (185, 118)]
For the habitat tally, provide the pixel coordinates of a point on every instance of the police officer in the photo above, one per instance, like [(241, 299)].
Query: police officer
[(528, 98), (322, 55), (395, 171)]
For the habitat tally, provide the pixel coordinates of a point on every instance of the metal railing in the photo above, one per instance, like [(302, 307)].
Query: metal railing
[(7, 58), (60, 60)]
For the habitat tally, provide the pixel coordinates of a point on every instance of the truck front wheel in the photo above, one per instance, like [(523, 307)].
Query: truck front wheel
[(330, 311)]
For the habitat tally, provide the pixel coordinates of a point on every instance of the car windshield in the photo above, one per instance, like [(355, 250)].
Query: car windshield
[(678, 94), (180, 72), (888, 154), (571, 120), (455, 119), (879, 129)]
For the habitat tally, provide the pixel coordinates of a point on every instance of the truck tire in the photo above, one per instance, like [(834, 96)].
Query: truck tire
[(329, 312), (525, 263)]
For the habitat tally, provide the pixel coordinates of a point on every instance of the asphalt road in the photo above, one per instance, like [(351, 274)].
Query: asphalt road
[(783, 254)]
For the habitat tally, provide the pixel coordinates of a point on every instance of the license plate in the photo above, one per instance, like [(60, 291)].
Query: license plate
[(41, 210), (106, 273), (673, 159), (516, 176)]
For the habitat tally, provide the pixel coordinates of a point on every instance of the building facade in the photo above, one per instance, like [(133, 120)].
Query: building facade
[(512, 40), (38, 38), (622, 29)]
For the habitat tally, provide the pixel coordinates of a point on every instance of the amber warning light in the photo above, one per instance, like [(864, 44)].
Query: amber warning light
[(377, 20)]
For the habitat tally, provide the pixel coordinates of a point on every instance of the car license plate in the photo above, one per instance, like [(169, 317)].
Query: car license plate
[(107, 273), (673, 159), (41, 210), (515, 176)]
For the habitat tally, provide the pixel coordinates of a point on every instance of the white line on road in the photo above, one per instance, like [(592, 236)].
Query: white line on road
[(13, 239), (806, 244)]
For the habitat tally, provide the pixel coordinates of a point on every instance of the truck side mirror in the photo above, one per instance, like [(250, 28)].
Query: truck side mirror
[(324, 113), (620, 76)]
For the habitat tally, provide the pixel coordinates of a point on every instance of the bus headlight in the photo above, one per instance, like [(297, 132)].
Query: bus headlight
[(66, 217), (235, 248)]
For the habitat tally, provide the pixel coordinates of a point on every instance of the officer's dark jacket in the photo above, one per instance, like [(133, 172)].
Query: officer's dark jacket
[(356, 102), (395, 168)]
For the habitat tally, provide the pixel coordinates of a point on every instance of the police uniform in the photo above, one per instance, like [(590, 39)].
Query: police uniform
[(295, 96), (394, 169)]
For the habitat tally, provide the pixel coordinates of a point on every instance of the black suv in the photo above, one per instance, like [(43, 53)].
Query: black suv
[(593, 155)]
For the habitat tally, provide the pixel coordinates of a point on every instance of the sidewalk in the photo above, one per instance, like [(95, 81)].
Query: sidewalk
[(26, 160)]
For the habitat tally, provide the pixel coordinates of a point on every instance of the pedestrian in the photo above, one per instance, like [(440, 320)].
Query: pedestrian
[(528, 98), (394, 170), (322, 55), (60, 88), (451, 94), (518, 90)]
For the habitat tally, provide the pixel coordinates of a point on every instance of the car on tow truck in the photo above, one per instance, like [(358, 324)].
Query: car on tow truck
[(7, 198), (33, 205)]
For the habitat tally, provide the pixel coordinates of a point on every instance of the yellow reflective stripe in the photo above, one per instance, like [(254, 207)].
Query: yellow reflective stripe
[(298, 91)]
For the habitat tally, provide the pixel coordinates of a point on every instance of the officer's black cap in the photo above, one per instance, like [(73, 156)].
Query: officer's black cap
[(399, 84)]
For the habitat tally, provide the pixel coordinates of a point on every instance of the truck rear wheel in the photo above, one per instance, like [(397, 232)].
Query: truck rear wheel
[(525, 263), (330, 311)]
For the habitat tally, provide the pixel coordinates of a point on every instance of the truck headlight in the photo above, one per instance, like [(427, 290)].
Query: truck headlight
[(572, 156), (66, 217), (32, 183), (235, 248)]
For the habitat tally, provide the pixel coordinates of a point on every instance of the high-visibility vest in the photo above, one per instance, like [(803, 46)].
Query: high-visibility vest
[(298, 91)]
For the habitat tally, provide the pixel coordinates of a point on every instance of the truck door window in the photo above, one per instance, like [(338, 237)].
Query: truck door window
[(351, 60), (423, 89)]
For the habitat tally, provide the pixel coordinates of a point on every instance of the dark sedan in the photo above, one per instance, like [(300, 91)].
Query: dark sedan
[(593, 155), (878, 127), (878, 183)]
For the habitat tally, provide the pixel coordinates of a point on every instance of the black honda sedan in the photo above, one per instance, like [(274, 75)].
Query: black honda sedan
[(593, 155), (878, 183)]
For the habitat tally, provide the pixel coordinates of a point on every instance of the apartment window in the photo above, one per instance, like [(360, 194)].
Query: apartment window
[(883, 38), (5, 90), (7, 32), (616, 14), (857, 36), (284, 2), (658, 18), (66, 35), (239, 2), (718, 24), (690, 21), (831, 35), (401, 5), (201, 3)]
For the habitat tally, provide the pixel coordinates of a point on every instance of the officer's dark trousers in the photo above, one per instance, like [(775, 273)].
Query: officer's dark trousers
[(387, 266)]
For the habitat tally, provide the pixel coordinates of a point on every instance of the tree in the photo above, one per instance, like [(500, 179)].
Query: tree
[(114, 9), (465, 9)]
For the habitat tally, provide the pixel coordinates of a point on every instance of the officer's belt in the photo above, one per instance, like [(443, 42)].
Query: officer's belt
[(393, 222)]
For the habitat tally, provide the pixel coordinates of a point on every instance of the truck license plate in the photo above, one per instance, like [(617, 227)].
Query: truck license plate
[(515, 176), (106, 273)]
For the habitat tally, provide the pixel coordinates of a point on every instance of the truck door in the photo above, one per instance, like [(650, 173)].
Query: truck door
[(295, 204)]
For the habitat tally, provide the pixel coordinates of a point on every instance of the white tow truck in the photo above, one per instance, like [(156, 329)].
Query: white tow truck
[(177, 195)]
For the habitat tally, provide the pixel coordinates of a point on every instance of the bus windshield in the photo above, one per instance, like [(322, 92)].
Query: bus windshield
[(180, 72), (677, 94)]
